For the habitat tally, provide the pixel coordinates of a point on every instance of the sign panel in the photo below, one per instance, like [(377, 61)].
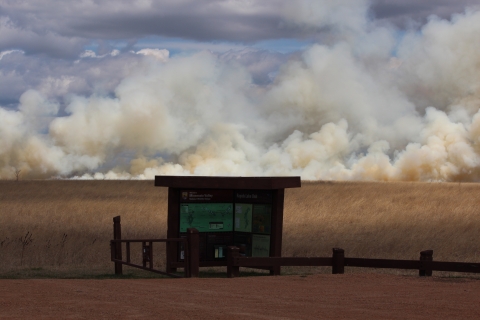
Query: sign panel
[(206, 217), (217, 244), (206, 196), (253, 196), (262, 218), (202, 245), (260, 245), (243, 217), (244, 242)]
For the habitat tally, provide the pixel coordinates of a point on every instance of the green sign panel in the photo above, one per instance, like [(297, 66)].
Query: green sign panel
[(260, 245), (262, 220), (206, 217), (243, 217)]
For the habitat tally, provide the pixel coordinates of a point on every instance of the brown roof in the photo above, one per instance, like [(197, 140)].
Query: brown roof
[(201, 182)]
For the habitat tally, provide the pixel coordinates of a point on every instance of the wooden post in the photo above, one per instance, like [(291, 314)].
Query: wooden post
[(150, 258), (425, 263), (277, 228), (338, 261), (112, 250), (117, 235), (145, 254), (232, 270), (193, 251), (173, 227)]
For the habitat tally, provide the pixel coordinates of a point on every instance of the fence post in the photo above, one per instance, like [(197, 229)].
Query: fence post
[(426, 257), (232, 270), (117, 235), (193, 251), (338, 261)]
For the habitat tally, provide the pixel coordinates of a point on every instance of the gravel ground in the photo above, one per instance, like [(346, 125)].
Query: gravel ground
[(353, 296)]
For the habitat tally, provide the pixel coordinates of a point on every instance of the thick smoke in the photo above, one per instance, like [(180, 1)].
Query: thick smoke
[(365, 103)]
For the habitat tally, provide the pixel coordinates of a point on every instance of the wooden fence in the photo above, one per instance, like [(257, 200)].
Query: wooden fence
[(425, 265), (190, 244)]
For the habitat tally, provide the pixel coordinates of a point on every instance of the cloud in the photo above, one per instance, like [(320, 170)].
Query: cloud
[(206, 20), (59, 78), (62, 29), (161, 55), (320, 14), (341, 109), (101, 74), (29, 40), (408, 12)]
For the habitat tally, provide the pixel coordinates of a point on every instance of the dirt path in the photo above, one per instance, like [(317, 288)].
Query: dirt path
[(357, 296)]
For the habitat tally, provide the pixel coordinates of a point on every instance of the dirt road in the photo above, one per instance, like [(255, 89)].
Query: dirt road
[(352, 296)]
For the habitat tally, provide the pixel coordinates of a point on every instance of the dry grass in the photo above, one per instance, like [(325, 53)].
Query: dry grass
[(67, 225), (384, 220), (70, 222)]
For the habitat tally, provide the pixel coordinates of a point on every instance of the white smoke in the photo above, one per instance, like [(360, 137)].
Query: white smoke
[(368, 104)]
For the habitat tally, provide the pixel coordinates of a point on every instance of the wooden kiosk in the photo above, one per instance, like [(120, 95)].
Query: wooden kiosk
[(246, 212)]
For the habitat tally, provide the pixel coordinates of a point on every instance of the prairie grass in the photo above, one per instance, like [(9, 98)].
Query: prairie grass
[(59, 227)]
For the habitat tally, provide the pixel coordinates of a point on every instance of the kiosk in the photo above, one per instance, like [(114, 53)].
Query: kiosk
[(246, 212)]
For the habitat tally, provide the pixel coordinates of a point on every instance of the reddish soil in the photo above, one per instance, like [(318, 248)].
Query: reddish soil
[(359, 296)]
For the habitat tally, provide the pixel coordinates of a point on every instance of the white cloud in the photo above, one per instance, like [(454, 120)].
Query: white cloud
[(159, 54), (62, 29), (4, 53)]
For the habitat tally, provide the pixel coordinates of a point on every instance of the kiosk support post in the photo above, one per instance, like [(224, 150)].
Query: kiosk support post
[(277, 224), (193, 252), (117, 235), (172, 228), (232, 270)]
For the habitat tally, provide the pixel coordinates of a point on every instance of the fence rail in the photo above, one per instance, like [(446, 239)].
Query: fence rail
[(425, 265), (190, 245), (456, 266), (149, 240), (383, 263), (150, 269), (282, 261), (147, 254)]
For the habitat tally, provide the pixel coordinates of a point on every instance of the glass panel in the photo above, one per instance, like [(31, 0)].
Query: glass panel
[(206, 217), (260, 245), (262, 218), (243, 217)]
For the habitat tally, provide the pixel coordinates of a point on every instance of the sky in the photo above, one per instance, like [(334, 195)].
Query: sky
[(332, 90)]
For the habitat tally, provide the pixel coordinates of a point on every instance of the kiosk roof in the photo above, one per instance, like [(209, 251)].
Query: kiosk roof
[(207, 182)]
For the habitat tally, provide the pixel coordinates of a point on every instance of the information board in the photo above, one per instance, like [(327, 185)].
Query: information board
[(243, 217), (260, 245), (253, 196), (207, 195), (262, 218), (206, 217), (228, 217), (244, 242)]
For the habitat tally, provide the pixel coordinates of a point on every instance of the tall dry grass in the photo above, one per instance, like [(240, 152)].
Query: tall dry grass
[(384, 220), (70, 222), (66, 225)]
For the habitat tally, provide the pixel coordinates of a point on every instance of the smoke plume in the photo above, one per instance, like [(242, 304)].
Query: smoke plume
[(367, 102)]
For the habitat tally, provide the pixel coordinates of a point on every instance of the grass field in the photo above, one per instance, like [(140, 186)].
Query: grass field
[(64, 227)]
